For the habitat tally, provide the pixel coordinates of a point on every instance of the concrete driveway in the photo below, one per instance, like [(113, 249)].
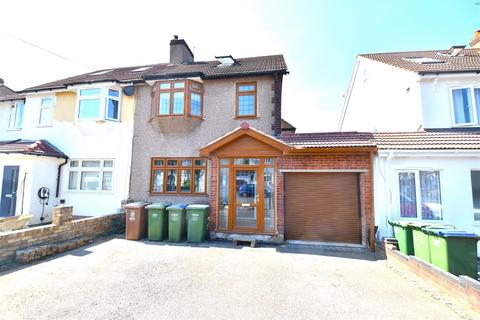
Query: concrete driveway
[(119, 279)]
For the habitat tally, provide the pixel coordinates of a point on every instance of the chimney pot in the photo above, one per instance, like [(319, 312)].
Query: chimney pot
[(175, 37)]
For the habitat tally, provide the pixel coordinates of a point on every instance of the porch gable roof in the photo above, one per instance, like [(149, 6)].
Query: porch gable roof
[(244, 131)]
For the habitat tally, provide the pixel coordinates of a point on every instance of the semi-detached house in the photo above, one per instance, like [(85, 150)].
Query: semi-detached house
[(424, 110), (211, 132)]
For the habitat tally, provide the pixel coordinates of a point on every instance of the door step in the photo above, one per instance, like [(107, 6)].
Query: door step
[(237, 241)]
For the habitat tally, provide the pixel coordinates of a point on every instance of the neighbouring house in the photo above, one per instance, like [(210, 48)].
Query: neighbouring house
[(211, 132), (67, 141), (423, 108)]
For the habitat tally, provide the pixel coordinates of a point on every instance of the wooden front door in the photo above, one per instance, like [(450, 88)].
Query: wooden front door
[(246, 195), (247, 199)]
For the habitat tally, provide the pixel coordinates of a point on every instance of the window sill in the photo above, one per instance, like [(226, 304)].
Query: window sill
[(178, 194), (466, 125), (14, 129), (177, 116), (99, 192), (245, 117), (96, 120), (45, 126)]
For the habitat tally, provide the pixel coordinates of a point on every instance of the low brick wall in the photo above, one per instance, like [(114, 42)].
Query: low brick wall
[(63, 228), (462, 287)]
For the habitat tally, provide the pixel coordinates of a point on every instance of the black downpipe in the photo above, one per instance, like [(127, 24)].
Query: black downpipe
[(58, 177)]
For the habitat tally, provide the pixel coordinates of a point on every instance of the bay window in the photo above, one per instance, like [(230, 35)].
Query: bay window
[(178, 176), (90, 175), (98, 103), (178, 98), (466, 105), (15, 120), (419, 195)]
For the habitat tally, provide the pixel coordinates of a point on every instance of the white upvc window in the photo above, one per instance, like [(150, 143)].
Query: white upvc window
[(98, 103), (419, 195), (465, 103), (475, 178), (45, 115), (15, 120), (90, 175)]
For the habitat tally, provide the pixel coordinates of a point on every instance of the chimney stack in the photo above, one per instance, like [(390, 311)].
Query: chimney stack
[(179, 51), (475, 41), (1, 82)]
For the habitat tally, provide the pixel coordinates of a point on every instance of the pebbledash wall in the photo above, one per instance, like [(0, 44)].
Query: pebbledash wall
[(321, 161), (182, 137), (63, 228)]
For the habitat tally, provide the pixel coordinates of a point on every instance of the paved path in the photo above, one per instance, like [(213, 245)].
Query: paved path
[(119, 279)]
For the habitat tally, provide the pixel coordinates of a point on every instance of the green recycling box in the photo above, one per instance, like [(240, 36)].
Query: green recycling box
[(403, 234), (197, 216), (454, 251), (176, 222), (421, 244), (157, 221)]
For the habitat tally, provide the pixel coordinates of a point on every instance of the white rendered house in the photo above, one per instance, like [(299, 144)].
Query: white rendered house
[(423, 108), (90, 125)]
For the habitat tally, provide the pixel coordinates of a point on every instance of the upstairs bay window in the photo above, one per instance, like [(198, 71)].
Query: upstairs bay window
[(179, 98), (466, 105), (15, 120), (98, 104)]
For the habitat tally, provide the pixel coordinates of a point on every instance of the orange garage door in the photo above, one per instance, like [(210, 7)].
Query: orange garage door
[(322, 207)]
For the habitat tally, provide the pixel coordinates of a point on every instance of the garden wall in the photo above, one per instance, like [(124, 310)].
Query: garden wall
[(63, 228)]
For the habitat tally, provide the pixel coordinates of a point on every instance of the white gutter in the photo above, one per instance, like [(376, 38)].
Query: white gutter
[(430, 153)]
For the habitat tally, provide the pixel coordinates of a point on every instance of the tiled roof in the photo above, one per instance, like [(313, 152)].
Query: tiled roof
[(446, 139), (207, 70), (7, 94), (31, 147), (436, 140), (329, 140), (466, 60)]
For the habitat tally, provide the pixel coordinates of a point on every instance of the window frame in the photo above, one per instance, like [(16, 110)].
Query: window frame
[(418, 194), (14, 107), (229, 163), (475, 222), (43, 107), (187, 90), (178, 167), (475, 116), (79, 169), (239, 93), (103, 97)]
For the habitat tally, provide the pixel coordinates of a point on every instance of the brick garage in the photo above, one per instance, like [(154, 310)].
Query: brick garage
[(326, 162), (318, 153)]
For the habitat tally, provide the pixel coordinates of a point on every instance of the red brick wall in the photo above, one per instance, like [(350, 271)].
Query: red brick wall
[(213, 195), (312, 162), (327, 162)]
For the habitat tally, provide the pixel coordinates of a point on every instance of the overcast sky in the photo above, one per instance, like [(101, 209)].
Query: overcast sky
[(319, 39)]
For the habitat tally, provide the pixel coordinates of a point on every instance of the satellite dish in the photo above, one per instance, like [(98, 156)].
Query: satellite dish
[(129, 90)]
